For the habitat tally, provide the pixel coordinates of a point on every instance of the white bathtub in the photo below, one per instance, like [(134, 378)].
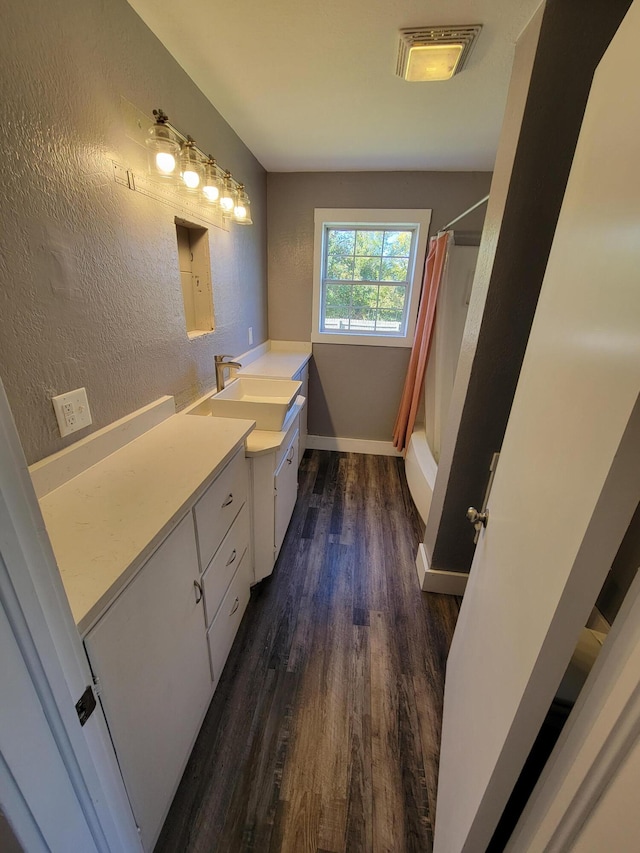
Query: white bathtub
[(421, 469)]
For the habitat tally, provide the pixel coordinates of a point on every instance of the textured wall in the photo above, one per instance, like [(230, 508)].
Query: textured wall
[(89, 281), (354, 390)]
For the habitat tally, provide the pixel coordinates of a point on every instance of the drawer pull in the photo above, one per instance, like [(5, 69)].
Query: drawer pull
[(228, 501), (290, 456), (236, 604), (232, 557), (199, 592)]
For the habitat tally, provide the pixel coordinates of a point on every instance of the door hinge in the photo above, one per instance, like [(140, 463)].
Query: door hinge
[(86, 704), (96, 684)]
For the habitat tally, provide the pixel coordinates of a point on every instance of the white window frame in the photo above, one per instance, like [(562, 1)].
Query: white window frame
[(386, 218)]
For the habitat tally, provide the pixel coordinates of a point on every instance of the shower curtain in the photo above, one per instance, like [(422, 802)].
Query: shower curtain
[(405, 421)]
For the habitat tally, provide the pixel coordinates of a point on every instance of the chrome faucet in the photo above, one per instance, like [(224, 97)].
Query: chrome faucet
[(221, 364)]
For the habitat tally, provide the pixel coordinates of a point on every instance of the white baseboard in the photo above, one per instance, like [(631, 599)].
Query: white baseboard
[(352, 445), (435, 580)]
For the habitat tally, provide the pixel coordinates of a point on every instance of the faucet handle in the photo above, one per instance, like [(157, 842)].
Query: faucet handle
[(220, 358)]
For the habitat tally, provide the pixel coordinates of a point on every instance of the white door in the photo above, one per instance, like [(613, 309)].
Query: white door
[(568, 479)]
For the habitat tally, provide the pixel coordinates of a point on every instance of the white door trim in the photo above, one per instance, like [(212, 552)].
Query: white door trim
[(36, 605)]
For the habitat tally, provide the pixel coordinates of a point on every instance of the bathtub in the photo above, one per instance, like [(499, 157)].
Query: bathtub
[(421, 470)]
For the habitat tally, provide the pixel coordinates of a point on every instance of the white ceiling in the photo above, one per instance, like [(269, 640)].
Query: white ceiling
[(310, 85)]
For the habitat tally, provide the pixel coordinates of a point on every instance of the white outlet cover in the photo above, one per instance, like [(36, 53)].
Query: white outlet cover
[(72, 411)]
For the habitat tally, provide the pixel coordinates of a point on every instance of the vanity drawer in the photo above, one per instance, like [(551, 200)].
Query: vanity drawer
[(219, 505), (225, 626), (223, 566)]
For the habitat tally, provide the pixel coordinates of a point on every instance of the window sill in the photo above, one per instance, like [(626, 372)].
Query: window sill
[(362, 340)]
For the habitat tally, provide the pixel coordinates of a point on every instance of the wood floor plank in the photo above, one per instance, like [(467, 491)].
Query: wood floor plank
[(359, 821), (323, 735)]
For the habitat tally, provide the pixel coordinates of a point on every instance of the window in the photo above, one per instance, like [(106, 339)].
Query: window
[(367, 271)]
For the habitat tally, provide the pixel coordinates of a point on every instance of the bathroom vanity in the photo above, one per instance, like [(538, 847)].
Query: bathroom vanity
[(160, 523), (154, 548)]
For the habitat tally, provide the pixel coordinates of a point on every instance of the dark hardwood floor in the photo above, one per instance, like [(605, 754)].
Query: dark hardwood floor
[(323, 733)]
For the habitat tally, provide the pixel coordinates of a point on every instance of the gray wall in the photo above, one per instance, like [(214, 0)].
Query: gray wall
[(354, 390), (89, 282), (513, 275)]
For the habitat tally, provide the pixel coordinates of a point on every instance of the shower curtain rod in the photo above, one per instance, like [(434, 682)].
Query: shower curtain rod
[(462, 215)]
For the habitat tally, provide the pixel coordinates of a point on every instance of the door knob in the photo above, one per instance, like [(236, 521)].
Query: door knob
[(477, 518)]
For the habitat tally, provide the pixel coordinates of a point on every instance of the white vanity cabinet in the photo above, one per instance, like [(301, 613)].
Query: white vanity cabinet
[(150, 657), (223, 526), (285, 491), (275, 488), (153, 541), (303, 376)]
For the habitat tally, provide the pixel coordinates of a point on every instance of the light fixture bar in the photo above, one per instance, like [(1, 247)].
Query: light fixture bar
[(171, 150)]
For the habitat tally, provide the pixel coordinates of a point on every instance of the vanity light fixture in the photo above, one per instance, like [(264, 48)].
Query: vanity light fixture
[(434, 53), (212, 182), (191, 165), (174, 156), (228, 197), (242, 210), (163, 147)]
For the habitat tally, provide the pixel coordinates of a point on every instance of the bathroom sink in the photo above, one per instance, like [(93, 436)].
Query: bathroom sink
[(265, 401)]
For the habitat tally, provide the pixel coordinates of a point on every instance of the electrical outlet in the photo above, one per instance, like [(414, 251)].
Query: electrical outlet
[(250, 335), (72, 411)]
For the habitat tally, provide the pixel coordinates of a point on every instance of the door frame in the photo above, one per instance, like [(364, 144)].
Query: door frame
[(37, 608)]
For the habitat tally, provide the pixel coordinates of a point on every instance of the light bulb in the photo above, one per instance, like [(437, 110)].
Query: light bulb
[(212, 193), (165, 162), (191, 179), (242, 209), (163, 147), (226, 203)]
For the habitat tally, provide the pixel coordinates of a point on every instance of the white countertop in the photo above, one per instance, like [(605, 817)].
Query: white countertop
[(106, 522)]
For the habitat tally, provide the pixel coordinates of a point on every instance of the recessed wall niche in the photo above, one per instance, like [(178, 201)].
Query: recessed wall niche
[(195, 277)]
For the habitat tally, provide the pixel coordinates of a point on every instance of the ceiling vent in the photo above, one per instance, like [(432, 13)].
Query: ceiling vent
[(434, 53)]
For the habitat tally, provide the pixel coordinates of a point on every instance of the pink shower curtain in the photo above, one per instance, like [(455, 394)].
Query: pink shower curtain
[(421, 342)]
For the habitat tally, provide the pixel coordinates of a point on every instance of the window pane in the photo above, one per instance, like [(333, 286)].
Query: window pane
[(360, 312), (340, 242), (336, 317), (389, 321), (369, 242), (366, 269), (397, 243), (339, 268), (392, 297), (366, 295), (338, 294), (394, 269), (337, 312)]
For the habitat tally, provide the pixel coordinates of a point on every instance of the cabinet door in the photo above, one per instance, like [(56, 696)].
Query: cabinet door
[(149, 652), (286, 492)]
